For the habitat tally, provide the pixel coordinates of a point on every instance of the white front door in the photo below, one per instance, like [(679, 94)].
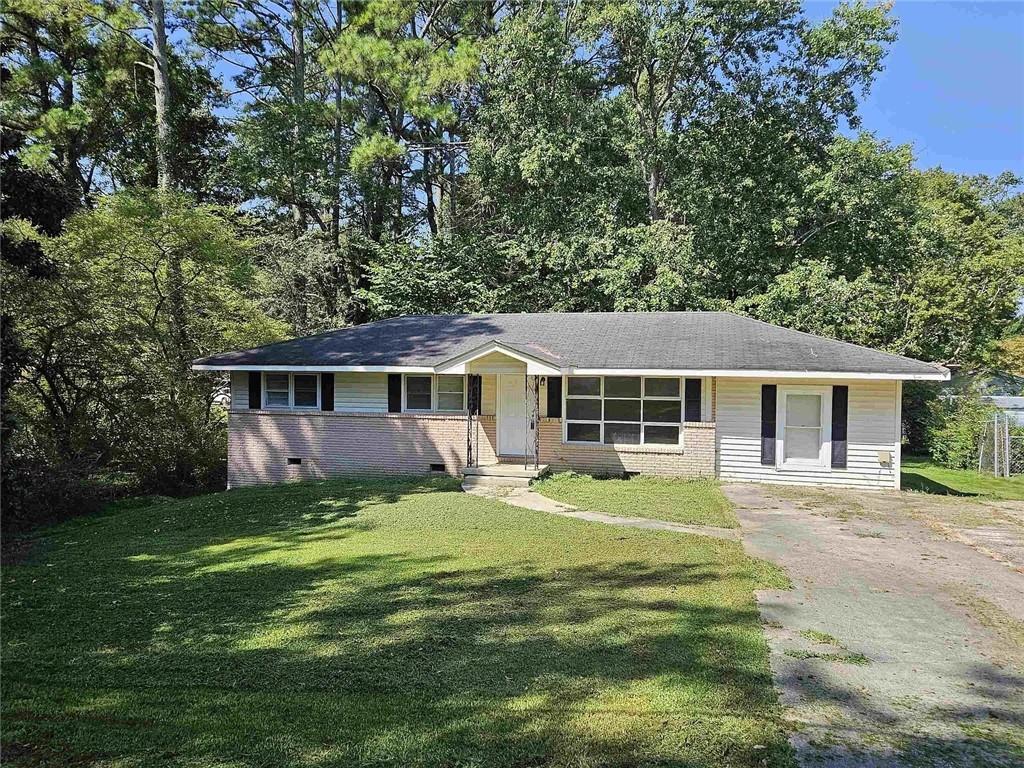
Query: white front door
[(514, 435)]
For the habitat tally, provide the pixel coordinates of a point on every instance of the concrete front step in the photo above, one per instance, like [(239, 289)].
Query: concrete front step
[(501, 476)]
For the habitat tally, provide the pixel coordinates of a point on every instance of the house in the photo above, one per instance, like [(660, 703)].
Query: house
[(670, 393)]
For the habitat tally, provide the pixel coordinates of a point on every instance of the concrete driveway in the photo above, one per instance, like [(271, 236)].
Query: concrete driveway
[(902, 640)]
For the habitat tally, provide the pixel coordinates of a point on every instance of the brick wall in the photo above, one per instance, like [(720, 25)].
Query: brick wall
[(696, 458), (261, 442)]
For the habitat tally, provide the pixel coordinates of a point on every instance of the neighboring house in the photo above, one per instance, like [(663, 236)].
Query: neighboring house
[(1013, 407), (668, 393)]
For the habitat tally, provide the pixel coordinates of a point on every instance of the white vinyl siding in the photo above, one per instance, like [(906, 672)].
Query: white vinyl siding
[(361, 392), (488, 394), (871, 430)]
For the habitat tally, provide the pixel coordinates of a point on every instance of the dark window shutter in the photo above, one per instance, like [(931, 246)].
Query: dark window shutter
[(475, 393), (326, 391), (768, 395), (255, 390), (840, 410), (394, 393), (554, 397), (692, 397)]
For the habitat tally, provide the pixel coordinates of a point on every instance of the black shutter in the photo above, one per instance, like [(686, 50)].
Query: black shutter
[(768, 394), (255, 390), (692, 396), (326, 391), (840, 408), (554, 397), (475, 393), (394, 393)]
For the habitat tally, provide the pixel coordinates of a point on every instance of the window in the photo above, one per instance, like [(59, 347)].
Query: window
[(663, 411), (803, 418), (418, 393), (583, 409), (305, 390), (277, 390), (624, 410), (451, 393), (291, 390)]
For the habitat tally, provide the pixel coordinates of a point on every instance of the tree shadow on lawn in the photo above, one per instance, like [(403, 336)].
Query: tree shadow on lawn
[(262, 645), (912, 481)]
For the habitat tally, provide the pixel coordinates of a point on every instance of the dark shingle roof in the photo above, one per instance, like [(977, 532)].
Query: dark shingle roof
[(671, 340)]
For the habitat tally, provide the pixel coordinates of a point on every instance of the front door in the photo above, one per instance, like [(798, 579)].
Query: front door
[(514, 435)]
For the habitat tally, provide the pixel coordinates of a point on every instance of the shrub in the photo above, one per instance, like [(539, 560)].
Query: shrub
[(955, 429)]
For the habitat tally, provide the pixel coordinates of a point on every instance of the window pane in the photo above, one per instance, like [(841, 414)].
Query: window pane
[(305, 391), (802, 443), (622, 410), (449, 401), (661, 435), (277, 399), (661, 387), (663, 410), (803, 410), (583, 433), (587, 410), (584, 385), (278, 381), (450, 384), (417, 385), (622, 386), (628, 434)]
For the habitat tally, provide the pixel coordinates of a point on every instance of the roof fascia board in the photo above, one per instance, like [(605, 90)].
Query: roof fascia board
[(320, 368), (543, 369), (757, 374)]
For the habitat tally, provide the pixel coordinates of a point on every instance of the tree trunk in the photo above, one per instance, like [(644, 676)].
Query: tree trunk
[(162, 94), (653, 191), (298, 40)]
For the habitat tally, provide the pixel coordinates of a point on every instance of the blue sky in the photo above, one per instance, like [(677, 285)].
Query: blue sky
[(953, 84)]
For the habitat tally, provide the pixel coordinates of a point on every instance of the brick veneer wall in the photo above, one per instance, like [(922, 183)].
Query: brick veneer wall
[(696, 458), (332, 443)]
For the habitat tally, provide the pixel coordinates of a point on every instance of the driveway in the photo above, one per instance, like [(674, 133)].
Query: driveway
[(901, 642)]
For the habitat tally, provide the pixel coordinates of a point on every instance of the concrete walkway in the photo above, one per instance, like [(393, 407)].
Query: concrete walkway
[(530, 499), (897, 645)]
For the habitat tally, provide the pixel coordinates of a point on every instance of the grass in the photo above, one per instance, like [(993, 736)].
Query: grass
[(843, 657), (817, 636), (382, 623), (922, 474), (692, 502)]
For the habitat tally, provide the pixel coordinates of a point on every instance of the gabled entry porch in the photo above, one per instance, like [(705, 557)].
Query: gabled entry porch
[(517, 373)]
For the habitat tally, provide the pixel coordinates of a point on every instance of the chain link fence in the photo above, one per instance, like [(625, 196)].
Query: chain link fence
[(1001, 448)]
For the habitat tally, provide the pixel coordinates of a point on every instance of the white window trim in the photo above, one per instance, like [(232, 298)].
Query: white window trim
[(291, 393), (643, 424), (433, 394), (824, 460)]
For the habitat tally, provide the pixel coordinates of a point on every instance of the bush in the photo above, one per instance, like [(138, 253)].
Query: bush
[(955, 429)]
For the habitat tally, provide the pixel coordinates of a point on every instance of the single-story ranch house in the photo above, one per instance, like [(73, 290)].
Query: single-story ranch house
[(668, 393)]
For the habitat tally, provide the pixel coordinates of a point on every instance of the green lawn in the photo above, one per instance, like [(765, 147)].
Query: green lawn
[(694, 502), (922, 474), (381, 623)]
